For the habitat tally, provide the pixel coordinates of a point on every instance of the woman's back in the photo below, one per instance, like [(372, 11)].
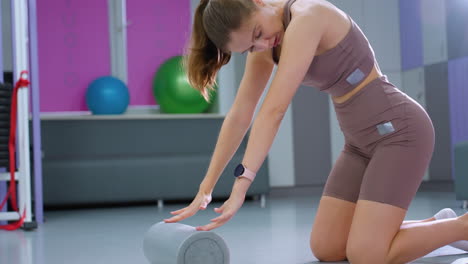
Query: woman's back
[(344, 56)]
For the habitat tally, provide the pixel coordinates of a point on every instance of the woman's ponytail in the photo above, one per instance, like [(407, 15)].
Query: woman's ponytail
[(203, 59)]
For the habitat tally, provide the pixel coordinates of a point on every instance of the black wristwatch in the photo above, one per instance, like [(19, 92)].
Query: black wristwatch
[(242, 171)]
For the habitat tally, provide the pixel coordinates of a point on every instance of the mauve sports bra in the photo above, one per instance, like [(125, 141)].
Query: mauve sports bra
[(342, 68)]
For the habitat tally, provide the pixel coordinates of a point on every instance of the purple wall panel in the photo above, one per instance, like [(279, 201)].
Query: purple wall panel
[(411, 34), (458, 92), (74, 49), (158, 31)]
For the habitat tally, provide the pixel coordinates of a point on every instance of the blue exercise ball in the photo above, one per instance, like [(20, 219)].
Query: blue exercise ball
[(107, 96)]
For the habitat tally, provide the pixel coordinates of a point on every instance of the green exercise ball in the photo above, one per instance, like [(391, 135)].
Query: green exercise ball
[(173, 92)]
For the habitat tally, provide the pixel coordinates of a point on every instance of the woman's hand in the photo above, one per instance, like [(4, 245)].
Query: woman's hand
[(227, 210), (200, 202)]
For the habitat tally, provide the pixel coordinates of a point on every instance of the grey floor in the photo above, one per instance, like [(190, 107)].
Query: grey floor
[(278, 233)]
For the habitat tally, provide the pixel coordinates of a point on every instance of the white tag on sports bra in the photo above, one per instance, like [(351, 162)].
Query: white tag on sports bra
[(385, 128), (355, 77)]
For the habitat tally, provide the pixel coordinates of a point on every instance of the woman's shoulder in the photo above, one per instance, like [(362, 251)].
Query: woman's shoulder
[(334, 23), (323, 8)]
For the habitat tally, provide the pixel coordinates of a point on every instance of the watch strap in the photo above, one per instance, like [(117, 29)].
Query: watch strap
[(248, 174)]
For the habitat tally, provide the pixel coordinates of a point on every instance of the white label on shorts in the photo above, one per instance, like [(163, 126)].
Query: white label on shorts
[(355, 77), (385, 128)]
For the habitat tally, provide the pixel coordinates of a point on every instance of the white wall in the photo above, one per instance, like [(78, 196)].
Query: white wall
[(434, 29), (118, 38)]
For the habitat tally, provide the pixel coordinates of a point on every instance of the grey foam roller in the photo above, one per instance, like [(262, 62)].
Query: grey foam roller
[(182, 244)]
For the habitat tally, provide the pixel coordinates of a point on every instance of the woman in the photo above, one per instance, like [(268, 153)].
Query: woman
[(389, 138)]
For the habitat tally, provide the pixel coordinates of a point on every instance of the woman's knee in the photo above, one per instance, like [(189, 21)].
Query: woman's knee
[(331, 228), (328, 250)]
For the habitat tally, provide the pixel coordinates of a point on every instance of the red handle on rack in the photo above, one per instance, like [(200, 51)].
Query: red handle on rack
[(21, 83)]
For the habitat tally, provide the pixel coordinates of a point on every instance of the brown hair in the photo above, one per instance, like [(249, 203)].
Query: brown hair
[(214, 20)]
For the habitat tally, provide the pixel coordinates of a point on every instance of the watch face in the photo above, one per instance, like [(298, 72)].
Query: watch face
[(239, 170)]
